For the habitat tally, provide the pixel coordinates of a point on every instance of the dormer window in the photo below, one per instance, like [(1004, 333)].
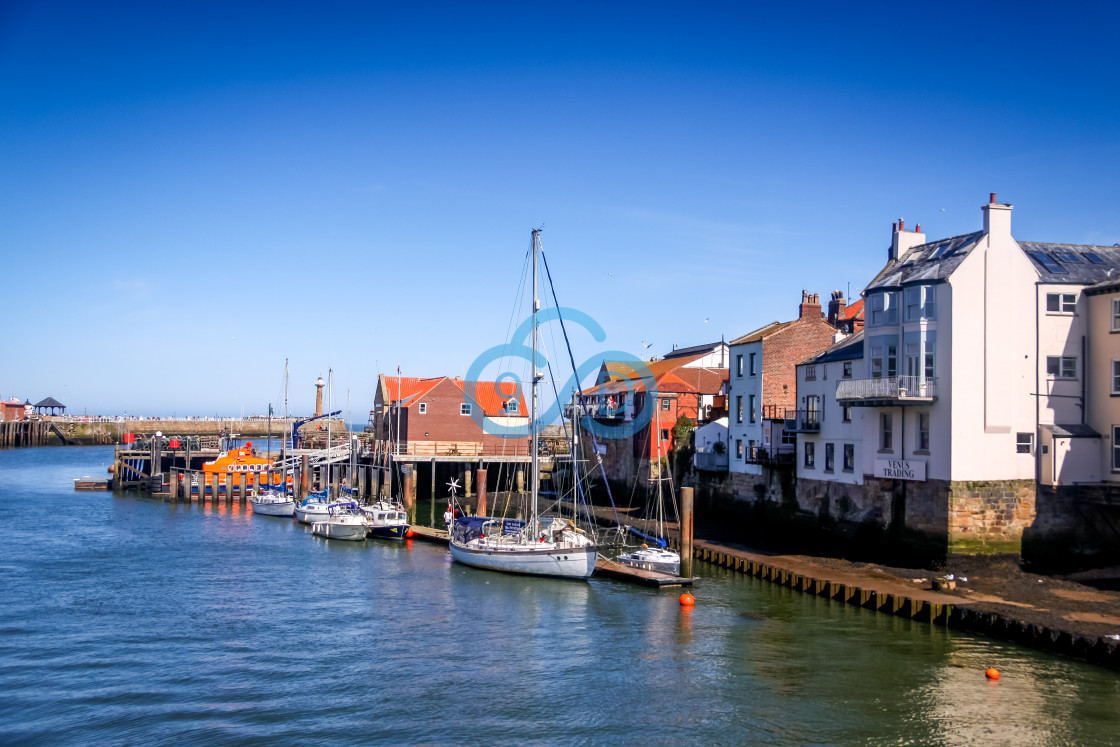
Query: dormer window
[(511, 406)]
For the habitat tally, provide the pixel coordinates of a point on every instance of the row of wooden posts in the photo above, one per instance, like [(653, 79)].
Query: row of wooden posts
[(16, 434)]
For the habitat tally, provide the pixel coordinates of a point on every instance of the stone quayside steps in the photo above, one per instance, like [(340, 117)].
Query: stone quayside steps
[(924, 606)]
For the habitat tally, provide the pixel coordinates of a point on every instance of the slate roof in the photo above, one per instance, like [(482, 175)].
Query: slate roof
[(848, 349), (695, 350), (1072, 430), (761, 333), (926, 262), (49, 402), (1074, 264)]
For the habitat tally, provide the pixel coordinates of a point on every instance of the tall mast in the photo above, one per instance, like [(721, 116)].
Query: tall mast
[(330, 404), (534, 471)]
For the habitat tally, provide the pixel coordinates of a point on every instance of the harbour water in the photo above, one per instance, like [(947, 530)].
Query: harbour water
[(126, 620)]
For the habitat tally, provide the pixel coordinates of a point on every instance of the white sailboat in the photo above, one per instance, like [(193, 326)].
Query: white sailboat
[(274, 499), (535, 546), (658, 557)]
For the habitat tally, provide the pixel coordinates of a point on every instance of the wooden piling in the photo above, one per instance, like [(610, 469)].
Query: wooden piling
[(686, 531), (481, 492)]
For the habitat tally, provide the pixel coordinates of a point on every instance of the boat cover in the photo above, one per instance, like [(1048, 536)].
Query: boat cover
[(657, 541), (470, 527)]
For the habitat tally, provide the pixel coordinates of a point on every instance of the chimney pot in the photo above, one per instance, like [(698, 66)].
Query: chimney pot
[(992, 199), (918, 228), (901, 225)]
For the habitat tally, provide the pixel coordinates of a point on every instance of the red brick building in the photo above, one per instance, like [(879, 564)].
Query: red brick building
[(680, 389), (763, 383), (449, 416), (11, 410)]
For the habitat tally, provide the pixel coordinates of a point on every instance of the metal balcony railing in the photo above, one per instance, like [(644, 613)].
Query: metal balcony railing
[(803, 421), (898, 388)]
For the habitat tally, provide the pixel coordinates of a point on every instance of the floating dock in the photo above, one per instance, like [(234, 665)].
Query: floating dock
[(611, 569)]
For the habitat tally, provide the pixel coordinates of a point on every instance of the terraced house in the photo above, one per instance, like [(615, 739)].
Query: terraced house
[(965, 391)]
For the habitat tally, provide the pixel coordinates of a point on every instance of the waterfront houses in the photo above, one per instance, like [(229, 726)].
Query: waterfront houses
[(762, 384), (638, 403), (966, 391)]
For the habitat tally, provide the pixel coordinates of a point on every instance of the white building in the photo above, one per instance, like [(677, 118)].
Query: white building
[(973, 352)]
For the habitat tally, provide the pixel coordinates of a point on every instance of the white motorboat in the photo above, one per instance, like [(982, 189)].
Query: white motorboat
[(313, 508), (386, 520), (345, 521), (652, 559), (273, 502)]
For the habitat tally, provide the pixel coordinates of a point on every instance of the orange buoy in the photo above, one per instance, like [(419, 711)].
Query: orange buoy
[(992, 674), (408, 533), (687, 600)]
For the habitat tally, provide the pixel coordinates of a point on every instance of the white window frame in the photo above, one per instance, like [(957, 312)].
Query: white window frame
[(1061, 303), (1024, 443), (1116, 315), (1061, 367), (422, 408), (1116, 377), (886, 431), (465, 408)]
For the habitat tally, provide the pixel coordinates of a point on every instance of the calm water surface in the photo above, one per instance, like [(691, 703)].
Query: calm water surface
[(129, 620)]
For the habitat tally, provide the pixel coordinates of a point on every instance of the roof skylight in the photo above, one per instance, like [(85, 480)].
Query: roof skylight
[(1047, 262)]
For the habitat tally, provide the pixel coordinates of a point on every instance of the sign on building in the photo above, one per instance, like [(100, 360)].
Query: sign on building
[(900, 469)]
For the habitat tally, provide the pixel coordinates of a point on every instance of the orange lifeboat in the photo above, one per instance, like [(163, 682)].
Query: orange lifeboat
[(242, 462)]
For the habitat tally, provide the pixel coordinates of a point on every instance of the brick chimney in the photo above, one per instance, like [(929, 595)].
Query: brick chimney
[(836, 308), (997, 217), (902, 240), (810, 306)]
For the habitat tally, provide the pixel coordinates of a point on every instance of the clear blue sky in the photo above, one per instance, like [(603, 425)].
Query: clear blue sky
[(193, 192)]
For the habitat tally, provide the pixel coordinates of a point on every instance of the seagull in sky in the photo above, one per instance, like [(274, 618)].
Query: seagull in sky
[(647, 344)]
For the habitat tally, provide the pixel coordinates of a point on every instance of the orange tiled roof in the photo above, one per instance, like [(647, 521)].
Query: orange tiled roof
[(411, 389), (855, 311)]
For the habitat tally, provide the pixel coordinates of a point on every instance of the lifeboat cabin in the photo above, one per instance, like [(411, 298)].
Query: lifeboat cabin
[(241, 462)]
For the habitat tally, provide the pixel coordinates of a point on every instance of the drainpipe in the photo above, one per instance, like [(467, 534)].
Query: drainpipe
[(1084, 376), (1038, 392)]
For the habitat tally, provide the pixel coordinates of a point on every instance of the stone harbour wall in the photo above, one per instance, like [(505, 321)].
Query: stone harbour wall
[(990, 516)]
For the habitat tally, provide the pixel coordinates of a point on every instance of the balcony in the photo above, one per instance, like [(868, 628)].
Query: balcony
[(769, 457), (888, 392), (710, 461), (803, 421)]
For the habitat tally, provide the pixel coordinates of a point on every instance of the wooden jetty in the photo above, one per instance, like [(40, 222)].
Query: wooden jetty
[(90, 483), (611, 569)]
